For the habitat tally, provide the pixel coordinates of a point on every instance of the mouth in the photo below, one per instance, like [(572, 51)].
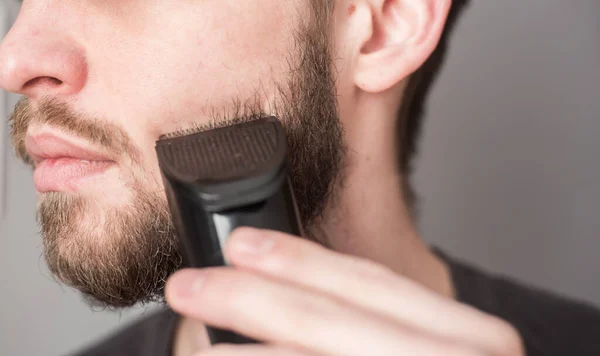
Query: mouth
[(63, 163)]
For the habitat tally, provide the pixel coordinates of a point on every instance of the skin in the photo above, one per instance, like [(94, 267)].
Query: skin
[(203, 53)]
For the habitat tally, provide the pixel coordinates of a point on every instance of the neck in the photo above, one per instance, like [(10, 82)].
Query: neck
[(368, 217)]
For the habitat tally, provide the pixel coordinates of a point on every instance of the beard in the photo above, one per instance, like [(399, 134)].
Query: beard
[(123, 255)]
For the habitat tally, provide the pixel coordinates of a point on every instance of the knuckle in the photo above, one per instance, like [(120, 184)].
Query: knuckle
[(284, 249), (289, 252)]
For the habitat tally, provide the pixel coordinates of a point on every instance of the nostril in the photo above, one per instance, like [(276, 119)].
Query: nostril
[(43, 81)]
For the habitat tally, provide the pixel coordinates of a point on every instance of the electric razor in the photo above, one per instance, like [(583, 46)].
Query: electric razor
[(224, 178)]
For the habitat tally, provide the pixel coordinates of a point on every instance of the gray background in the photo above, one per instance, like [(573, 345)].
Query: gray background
[(507, 171)]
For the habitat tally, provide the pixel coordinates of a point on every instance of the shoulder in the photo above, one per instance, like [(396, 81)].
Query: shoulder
[(150, 336), (549, 324)]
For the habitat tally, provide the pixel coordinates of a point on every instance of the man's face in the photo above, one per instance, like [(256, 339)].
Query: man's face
[(104, 80)]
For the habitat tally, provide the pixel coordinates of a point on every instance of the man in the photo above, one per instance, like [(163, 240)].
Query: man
[(103, 80)]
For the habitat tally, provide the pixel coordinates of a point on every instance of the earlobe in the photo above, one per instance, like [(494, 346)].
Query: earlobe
[(401, 35)]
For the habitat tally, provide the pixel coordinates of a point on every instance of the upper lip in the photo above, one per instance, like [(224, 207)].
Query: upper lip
[(42, 146)]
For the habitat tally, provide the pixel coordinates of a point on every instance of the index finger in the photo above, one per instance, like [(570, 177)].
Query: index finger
[(368, 285)]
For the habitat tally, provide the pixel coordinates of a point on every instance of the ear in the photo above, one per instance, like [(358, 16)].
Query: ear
[(395, 38)]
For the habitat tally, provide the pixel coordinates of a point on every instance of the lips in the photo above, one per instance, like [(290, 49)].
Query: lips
[(61, 164)]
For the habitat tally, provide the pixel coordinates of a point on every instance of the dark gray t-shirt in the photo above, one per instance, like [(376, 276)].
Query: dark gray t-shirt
[(549, 325)]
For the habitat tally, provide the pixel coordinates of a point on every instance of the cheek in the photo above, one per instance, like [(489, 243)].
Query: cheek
[(189, 61), (202, 58), (225, 59)]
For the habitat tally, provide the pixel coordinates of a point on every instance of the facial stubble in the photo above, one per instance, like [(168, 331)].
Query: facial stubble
[(118, 257)]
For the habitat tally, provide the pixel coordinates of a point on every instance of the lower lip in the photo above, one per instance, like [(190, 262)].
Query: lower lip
[(66, 174)]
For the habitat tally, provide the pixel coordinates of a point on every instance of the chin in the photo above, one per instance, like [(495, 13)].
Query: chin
[(106, 246)]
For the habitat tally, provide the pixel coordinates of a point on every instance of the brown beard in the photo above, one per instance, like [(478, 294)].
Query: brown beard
[(128, 253)]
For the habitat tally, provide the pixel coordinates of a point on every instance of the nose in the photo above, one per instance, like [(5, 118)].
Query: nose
[(38, 61)]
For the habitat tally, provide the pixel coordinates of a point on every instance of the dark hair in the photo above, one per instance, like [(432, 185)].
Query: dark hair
[(412, 110)]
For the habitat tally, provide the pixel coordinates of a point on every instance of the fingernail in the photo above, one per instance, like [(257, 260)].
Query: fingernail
[(253, 242), (188, 284)]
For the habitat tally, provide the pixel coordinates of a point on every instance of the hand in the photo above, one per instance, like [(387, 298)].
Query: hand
[(302, 299)]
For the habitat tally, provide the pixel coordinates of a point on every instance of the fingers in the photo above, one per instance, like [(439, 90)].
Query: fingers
[(284, 314), (265, 309), (367, 285), (252, 350), (292, 292)]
